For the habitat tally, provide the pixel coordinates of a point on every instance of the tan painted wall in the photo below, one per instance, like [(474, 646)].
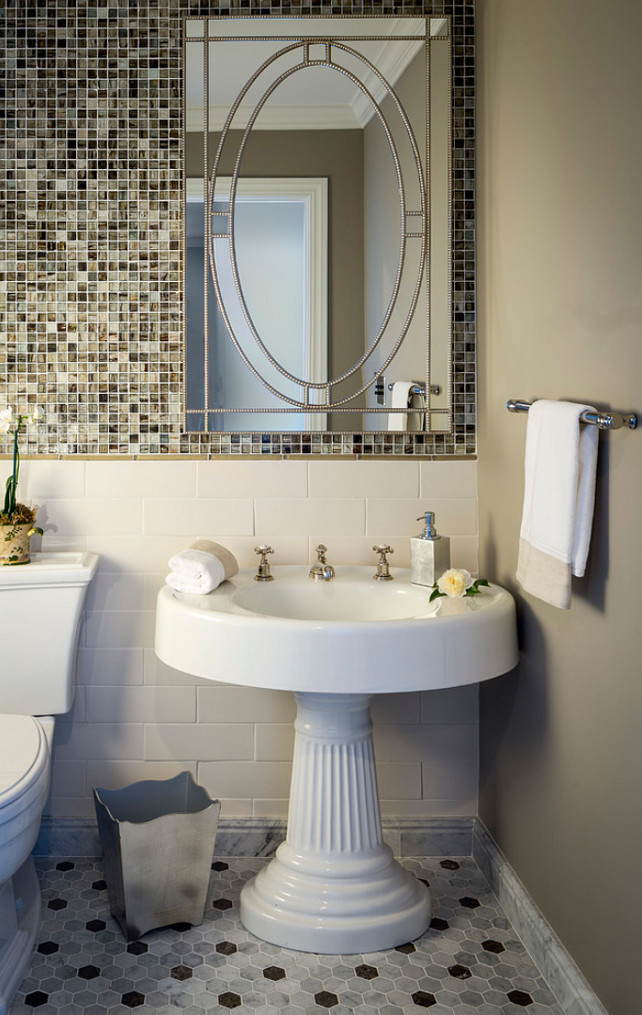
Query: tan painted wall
[(560, 316)]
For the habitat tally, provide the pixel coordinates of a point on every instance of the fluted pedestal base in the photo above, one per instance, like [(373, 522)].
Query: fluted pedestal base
[(333, 886)]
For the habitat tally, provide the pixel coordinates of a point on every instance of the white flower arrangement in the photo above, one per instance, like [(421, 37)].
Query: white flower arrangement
[(455, 583), (12, 512)]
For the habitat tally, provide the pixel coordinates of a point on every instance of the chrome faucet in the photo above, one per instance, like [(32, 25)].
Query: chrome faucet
[(321, 571), (263, 572), (382, 573)]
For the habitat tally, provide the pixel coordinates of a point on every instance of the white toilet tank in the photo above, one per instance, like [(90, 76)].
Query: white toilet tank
[(40, 609)]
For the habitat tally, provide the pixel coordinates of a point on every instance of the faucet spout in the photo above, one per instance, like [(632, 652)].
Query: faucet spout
[(321, 571)]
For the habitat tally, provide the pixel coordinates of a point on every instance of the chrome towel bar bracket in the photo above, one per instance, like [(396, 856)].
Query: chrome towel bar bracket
[(603, 420)]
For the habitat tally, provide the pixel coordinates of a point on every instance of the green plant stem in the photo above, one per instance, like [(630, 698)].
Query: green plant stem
[(12, 482), (16, 465), (7, 497)]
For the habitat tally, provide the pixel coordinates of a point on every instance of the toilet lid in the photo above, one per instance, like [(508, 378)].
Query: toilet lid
[(23, 754)]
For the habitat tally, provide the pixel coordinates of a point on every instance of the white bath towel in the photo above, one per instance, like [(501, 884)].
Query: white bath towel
[(201, 568), (559, 494)]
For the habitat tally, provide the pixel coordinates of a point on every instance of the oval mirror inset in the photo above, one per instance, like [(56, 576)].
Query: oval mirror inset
[(282, 234)]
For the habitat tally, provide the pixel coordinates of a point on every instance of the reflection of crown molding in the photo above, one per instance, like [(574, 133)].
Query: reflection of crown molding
[(391, 62), (279, 118)]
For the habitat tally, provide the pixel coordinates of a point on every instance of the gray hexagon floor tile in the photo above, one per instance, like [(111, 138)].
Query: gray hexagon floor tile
[(469, 961)]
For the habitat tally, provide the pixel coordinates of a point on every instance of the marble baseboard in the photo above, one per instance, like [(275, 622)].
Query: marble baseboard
[(557, 967), (67, 837), (261, 836)]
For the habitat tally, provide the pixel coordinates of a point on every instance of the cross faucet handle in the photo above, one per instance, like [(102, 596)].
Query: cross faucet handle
[(383, 568), (263, 572), (321, 551), (382, 549)]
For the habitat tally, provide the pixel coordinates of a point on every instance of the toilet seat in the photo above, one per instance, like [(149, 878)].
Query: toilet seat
[(24, 763)]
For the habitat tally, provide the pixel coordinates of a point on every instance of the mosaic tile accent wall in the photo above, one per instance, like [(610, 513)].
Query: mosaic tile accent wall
[(90, 229)]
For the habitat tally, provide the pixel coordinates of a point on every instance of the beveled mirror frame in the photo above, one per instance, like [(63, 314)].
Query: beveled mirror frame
[(421, 264), (461, 438)]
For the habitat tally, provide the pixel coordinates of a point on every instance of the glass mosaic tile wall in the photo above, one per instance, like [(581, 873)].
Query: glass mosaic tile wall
[(91, 229)]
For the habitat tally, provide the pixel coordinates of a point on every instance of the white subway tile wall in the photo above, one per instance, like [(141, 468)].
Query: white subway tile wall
[(136, 718)]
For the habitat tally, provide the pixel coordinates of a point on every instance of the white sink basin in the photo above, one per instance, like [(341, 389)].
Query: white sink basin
[(343, 599), (350, 635), (333, 886)]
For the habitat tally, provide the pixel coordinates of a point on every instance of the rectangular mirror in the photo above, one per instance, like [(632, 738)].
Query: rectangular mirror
[(318, 248)]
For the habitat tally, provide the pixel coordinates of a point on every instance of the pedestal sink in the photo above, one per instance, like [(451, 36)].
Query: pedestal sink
[(333, 886)]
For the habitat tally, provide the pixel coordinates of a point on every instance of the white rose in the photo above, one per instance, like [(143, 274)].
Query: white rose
[(454, 582)]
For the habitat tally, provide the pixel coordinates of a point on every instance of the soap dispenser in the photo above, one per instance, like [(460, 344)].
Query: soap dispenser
[(429, 553)]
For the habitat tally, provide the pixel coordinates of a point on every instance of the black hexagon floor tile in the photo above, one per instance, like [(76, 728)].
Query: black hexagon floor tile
[(469, 959)]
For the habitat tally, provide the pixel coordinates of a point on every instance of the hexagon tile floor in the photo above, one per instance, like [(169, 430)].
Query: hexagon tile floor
[(469, 962)]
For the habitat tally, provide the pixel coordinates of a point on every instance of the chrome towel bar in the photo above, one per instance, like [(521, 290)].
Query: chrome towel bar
[(420, 389), (604, 420)]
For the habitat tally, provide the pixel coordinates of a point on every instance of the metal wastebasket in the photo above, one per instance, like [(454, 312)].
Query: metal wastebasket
[(158, 840)]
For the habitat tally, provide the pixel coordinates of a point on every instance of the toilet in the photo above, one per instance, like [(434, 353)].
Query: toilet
[(40, 609)]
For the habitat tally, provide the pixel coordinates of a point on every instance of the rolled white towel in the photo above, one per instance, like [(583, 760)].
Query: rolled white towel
[(201, 568), (195, 571)]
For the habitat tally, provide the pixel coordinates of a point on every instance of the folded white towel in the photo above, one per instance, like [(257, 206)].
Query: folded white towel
[(400, 399), (201, 568), (559, 494)]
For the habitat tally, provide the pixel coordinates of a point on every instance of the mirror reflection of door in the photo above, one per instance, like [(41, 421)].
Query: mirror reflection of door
[(280, 230)]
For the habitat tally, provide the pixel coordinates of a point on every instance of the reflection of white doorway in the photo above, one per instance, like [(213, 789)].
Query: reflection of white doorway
[(281, 249)]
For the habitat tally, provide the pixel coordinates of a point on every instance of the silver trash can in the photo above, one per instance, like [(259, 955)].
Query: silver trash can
[(158, 841)]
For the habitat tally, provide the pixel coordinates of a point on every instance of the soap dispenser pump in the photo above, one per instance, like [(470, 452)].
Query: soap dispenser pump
[(429, 553)]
